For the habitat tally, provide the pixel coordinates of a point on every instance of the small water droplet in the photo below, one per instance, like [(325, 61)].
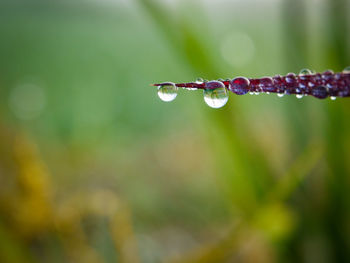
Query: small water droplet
[(328, 71), (215, 96), (327, 75), (199, 80), (346, 70), (290, 78), (333, 98), (167, 91), (280, 95), (320, 92), (305, 71), (299, 96)]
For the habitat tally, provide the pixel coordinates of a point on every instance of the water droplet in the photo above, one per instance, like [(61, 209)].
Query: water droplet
[(199, 80), (305, 71), (346, 70), (266, 85), (290, 78), (333, 98), (215, 94), (167, 91), (320, 92), (328, 71), (327, 75), (280, 95), (299, 96), (239, 85)]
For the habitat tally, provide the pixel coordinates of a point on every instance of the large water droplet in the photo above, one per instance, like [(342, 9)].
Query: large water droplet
[(215, 94), (167, 91), (305, 71), (239, 85)]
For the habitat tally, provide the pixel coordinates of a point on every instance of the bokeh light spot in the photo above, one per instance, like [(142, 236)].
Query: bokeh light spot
[(238, 49), (27, 101)]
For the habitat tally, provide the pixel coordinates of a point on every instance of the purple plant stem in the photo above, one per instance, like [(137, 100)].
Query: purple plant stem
[(319, 85)]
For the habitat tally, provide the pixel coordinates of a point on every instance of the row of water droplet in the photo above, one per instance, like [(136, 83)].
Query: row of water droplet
[(214, 98), (217, 97)]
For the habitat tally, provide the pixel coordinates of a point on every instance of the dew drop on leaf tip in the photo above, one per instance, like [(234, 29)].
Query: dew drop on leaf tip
[(167, 91)]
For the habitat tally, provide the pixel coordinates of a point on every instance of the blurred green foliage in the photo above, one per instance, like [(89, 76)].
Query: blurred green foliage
[(95, 168)]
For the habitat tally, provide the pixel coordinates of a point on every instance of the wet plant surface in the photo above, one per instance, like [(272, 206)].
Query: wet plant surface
[(321, 86)]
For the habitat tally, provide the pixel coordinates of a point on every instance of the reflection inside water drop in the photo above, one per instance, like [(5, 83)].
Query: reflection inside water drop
[(216, 98), (167, 91)]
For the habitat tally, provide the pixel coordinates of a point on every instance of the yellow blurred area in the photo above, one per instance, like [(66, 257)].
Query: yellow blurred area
[(30, 209)]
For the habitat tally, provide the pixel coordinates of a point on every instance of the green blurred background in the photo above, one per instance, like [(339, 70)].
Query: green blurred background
[(95, 168)]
